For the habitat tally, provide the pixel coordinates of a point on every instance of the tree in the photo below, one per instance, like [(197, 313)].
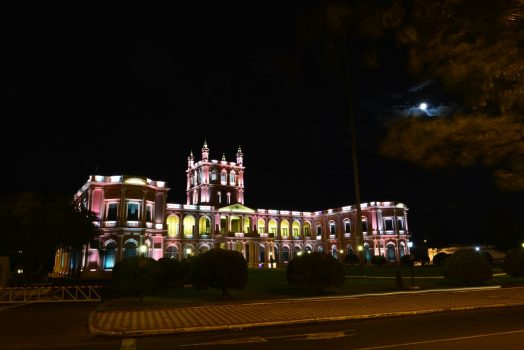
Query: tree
[(33, 225), (138, 276), (220, 269), (467, 266), (454, 43), (315, 270), (513, 263)]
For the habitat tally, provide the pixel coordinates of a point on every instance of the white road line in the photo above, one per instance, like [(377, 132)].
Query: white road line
[(128, 344), (442, 340)]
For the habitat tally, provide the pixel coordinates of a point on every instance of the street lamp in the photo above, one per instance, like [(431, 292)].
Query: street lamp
[(361, 256), (411, 263), (142, 249)]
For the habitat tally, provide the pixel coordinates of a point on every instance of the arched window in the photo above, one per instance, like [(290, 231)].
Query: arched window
[(261, 226), (213, 174), (332, 228), (129, 249), (172, 252), (391, 252), (364, 225), (272, 226), (334, 251), (223, 175), (172, 226), (296, 229), (232, 178), (109, 261), (284, 228), (285, 254), (347, 226), (195, 197), (189, 226)]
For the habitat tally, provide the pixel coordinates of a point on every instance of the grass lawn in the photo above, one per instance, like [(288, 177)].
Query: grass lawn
[(271, 285)]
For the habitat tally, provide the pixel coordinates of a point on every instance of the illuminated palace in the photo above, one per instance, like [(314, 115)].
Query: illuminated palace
[(135, 218)]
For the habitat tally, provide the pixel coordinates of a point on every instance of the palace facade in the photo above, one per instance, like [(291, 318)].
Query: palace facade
[(135, 218)]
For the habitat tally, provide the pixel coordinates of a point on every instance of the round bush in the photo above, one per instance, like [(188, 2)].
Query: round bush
[(513, 263), (378, 260), (220, 269), (440, 258), (467, 266), (137, 276), (488, 257), (406, 260), (351, 259), (315, 270), (173, 271)]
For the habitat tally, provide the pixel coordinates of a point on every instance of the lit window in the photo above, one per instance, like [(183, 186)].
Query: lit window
[(228, 198), (306, 231), (388, 223), (149, 213), (332, 228), (223, 176), (232, 178), (112, 212), (213, 174), (284, 231), (364, 226), (133, 210)]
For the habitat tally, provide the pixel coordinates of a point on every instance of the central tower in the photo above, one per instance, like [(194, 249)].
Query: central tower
[(213, 182)]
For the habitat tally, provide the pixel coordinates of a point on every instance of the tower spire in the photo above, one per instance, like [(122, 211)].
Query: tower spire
[(205, 152), (240, 156), (190, 160)]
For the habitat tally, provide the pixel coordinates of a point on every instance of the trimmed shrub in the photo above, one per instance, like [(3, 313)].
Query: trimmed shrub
[(488, 256), (406, 260), (378, 260), (467, 266), (137, 275), (351, 259), (220, 269), (173, 271), (440, 258), (315, 270), (513, 263)]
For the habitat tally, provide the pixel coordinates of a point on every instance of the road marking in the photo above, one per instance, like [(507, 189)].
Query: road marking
[(442, 340), (231, 341), (303, 336), (128, 344)]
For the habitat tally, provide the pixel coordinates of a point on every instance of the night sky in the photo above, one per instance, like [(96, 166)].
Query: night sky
[(110, 93)]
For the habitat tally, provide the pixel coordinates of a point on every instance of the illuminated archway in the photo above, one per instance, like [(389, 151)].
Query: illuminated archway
[(272, 226), (261, 226), (284, 228), (172, 225), (204, 225), (296, 229), (189, 225), (307, 229), (247, 224)]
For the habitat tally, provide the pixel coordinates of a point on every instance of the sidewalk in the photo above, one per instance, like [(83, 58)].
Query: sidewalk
[(297, 311)]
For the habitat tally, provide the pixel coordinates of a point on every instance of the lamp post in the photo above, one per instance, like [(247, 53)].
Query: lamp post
[(411, 263), (141, 267), (361, 256)]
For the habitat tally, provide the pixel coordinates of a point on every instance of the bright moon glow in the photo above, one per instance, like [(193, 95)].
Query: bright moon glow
[(423, 106)]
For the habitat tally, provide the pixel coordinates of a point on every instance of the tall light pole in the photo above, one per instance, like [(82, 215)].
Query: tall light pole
[(353, 135)]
